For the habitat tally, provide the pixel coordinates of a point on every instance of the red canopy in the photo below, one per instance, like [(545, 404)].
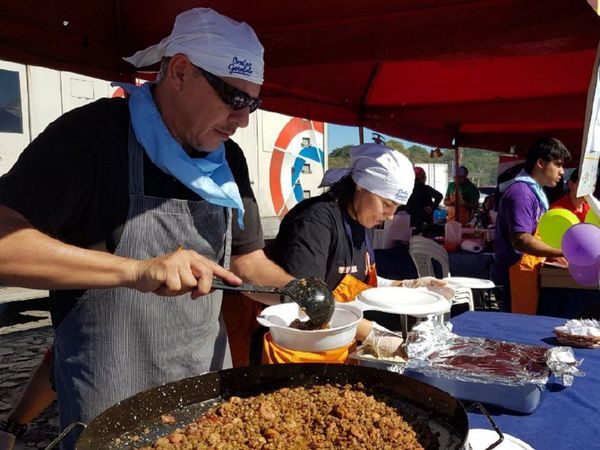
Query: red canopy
[(490, 73)]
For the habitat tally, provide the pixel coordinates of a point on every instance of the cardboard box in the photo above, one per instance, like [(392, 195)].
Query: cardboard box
[(558, 277)]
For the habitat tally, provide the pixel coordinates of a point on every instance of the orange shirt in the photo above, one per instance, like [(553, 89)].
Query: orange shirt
[(566, 203)]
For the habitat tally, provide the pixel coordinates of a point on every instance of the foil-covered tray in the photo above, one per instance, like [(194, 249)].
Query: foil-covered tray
[(522, 398), (498, 373)]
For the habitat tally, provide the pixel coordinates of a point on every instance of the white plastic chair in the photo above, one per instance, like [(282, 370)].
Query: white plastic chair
[(397, 229), (423, 252)]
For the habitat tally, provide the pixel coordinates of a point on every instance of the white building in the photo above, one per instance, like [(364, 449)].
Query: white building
[(286, 155)]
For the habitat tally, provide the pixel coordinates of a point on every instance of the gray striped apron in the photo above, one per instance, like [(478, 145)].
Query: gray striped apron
[(117, 342)]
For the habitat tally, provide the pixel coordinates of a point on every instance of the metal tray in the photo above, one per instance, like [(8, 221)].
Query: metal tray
[(523, 398)]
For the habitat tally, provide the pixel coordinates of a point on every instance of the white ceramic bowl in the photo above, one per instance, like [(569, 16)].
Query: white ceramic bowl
[(342, 332)]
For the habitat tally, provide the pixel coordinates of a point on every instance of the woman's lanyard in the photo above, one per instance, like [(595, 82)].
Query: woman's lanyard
[(368, 243)]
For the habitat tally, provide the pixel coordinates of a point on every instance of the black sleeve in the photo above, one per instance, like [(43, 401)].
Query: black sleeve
[(302, 247), (437, 197), (251, 237), (52, 178)]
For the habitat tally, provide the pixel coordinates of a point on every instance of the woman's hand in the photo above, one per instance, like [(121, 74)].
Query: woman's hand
[(431, 284), (425, 282), (385, 343)]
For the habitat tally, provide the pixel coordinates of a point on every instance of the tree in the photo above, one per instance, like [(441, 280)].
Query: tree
[(340, 157), (482, 164)]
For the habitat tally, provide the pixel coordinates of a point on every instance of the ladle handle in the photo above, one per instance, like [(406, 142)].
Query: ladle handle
[(62, 435), (245, 287)]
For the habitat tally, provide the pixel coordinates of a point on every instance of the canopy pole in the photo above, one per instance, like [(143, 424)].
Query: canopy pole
[(361, 135)]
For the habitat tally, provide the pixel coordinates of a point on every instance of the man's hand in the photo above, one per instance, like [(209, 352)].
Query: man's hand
[(559, 260), (178, 273)]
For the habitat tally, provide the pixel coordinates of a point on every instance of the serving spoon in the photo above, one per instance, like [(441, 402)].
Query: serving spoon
[(311, 294)]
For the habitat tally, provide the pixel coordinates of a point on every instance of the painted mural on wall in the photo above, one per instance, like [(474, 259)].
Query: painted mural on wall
[(295, 158)]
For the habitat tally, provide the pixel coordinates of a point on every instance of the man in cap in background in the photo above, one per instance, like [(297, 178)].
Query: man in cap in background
[(125, 207), (422, 202), (468, 197)]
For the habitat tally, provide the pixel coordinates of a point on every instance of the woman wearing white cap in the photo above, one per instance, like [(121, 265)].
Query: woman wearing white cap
[(330, 236)]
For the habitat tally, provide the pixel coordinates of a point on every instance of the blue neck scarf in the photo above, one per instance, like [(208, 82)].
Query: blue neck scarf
[(538, 190), (210, 176)]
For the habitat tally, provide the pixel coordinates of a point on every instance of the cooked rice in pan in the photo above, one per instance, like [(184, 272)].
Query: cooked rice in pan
[(317, 417)]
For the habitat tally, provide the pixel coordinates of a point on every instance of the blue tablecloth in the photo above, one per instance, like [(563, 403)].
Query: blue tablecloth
[(567, 418), (396, 263), (568, 303)]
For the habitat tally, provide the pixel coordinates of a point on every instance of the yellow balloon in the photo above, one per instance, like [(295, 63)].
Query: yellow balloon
[(590, 217), (554, 224)]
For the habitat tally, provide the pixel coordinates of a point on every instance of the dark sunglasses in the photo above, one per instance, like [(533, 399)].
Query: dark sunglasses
[(232, 96)]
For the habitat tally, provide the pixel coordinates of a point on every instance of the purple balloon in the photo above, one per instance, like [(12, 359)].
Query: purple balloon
[(581, 244), (585, 275)]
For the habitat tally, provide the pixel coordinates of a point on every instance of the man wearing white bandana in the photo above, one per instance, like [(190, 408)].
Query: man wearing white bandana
[(126, 208)]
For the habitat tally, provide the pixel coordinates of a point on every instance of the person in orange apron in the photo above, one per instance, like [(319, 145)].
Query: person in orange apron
[(330, 237), (518, 252), (468, 197)]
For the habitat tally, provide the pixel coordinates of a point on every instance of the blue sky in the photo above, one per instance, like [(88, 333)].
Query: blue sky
[(339, 135)]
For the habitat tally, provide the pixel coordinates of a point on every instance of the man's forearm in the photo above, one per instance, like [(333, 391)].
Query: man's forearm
[(32, 259), (256, 268), (29, 258), (438, 197), (526, 243)]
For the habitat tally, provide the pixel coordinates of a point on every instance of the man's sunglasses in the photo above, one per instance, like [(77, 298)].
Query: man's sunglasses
[(232, 96)]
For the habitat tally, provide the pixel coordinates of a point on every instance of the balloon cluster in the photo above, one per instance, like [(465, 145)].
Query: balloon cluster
[(579, 242)]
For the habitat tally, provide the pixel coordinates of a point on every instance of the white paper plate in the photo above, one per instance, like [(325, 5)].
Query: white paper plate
[(472, 283), (401, 300), (480, 439)]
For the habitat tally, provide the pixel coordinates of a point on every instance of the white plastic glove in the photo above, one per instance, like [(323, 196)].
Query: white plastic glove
[(431, 284), (384, 343), (425, 282)]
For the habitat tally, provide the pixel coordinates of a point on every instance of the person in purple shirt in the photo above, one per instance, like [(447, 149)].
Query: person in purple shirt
[(518, 252)]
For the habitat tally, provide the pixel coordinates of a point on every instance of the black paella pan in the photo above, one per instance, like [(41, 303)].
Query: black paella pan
[(136, 422)]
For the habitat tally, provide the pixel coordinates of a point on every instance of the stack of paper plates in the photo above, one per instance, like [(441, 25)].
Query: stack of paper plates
[(401, 300), (480, 439), (471, 283)]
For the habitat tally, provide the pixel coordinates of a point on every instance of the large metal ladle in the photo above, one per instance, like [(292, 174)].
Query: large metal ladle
[(311, 294)]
